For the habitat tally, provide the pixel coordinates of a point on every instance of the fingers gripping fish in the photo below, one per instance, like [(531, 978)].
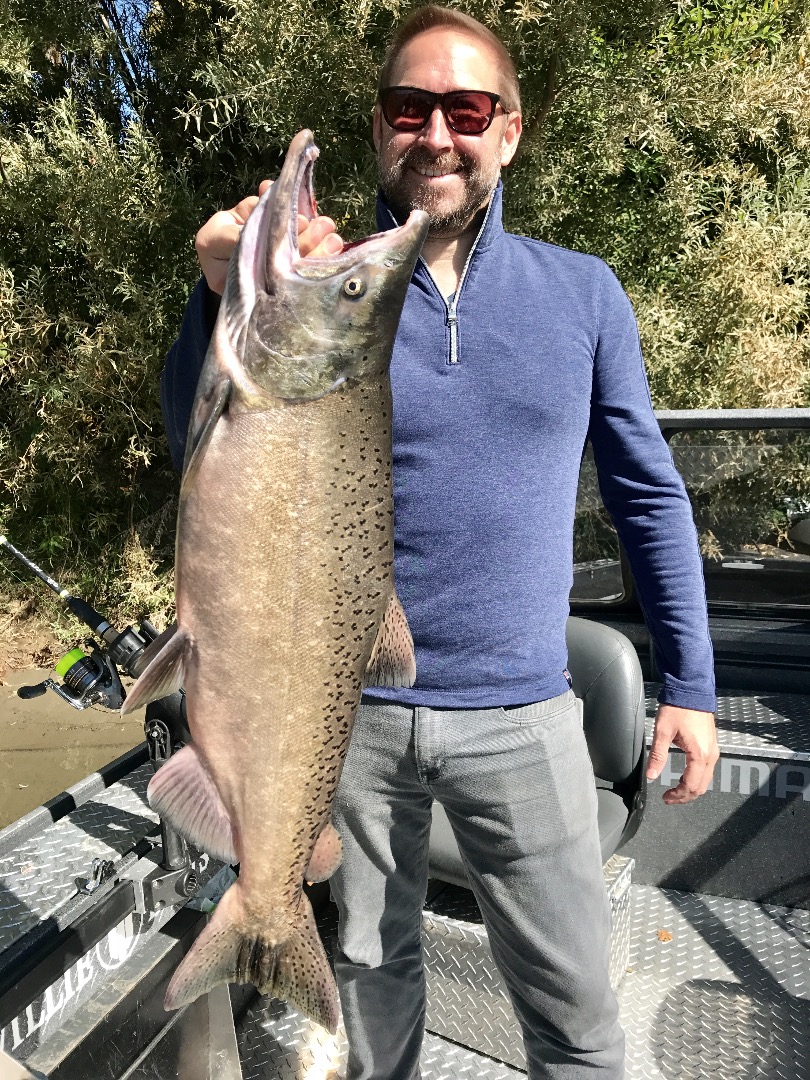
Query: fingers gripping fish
[(284, 582)]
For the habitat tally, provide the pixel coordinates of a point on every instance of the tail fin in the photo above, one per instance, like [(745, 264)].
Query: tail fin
[(295, 969)]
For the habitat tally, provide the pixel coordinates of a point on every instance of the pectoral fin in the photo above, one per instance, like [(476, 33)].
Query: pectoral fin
[(164, 673), (392, 661), (184, 793)]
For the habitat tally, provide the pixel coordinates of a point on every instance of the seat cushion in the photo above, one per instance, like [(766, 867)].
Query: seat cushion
[(613, 817)]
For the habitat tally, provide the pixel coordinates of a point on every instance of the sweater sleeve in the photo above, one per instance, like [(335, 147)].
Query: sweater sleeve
[(178, 383), (649, 507)]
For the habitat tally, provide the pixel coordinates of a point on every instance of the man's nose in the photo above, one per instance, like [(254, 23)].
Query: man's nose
[(436, 135)]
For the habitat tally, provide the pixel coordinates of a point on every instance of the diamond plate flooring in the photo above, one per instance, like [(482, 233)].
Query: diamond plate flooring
[(39, 876), (467, 1000), (714, 988), (765, 724), (278, 1043)]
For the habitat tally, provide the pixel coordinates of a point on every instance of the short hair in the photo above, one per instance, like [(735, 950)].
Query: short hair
[(431, 17)]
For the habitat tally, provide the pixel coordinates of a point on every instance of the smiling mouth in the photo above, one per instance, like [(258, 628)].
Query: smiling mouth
[(433, 173)]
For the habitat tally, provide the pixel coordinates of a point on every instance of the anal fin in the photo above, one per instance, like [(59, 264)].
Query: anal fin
[(392, 661), (183, 792), (165, 659)]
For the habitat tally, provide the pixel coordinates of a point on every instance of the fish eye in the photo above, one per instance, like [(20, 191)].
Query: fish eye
[(354, 287)]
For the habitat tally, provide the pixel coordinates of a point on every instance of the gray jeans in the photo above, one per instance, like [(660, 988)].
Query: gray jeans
[(518, 788)]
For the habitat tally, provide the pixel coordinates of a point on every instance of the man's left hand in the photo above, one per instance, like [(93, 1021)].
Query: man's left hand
[(694, 733)]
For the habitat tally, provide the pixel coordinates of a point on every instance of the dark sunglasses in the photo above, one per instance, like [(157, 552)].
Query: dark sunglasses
[(467, 112)]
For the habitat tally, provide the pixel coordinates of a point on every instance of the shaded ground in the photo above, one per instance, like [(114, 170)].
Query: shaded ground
[(26, 639), (45, 745)]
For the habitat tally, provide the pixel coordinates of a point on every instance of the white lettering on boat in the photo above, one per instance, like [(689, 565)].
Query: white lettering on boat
[(748, 776), (110, 953)]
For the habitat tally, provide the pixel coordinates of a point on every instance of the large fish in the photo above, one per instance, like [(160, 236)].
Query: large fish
[(285, 590)]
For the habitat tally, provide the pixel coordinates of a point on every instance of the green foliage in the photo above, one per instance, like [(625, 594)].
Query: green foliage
[(672, 139), (744, 486)]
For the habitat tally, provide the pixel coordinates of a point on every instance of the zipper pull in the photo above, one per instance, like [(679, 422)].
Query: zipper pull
[(452, 320)]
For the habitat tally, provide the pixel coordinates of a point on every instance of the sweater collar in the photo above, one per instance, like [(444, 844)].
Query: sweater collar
[(493, 222)]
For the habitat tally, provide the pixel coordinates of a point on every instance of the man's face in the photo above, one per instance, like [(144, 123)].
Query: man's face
[(449, 176)]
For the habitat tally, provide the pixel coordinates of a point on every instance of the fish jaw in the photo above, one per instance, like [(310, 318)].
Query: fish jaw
[(297, 328), (268, 242)]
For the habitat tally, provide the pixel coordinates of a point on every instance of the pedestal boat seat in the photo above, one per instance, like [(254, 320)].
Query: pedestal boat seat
[(607, 680)]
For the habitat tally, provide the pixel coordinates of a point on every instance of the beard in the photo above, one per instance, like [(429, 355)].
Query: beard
[(448, 217)]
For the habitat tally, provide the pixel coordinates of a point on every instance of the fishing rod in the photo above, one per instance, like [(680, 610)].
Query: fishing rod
[(92, 678), (89, 678)]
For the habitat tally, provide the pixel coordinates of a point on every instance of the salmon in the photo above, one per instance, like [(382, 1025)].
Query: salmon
[(286, 605)]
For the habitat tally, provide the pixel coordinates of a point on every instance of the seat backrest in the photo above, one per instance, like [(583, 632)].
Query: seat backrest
[(606, 676)]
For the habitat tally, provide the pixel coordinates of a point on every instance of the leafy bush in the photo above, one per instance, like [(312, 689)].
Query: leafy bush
[(672, 139)]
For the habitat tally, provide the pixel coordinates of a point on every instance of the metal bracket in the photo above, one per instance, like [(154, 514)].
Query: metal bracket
[(102, 871), (156, 888), (158, 741)]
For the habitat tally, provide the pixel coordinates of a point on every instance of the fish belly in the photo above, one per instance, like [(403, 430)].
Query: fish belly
[(284, 572)]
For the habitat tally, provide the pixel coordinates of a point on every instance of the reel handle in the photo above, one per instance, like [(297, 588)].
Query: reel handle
[(28, 692)]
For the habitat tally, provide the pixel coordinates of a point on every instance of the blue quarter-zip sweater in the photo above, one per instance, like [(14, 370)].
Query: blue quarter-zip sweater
[(495, 395)]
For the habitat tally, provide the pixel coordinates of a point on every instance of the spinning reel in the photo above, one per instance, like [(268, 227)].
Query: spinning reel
[(90, 678)]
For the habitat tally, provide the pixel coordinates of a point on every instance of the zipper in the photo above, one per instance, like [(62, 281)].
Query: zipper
[(451, 309), (452, 316), (452, 321)]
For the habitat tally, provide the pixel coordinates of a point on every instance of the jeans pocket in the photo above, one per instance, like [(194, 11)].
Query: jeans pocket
[(538, 712)]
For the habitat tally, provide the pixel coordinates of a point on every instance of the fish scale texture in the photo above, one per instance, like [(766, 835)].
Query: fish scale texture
[(301, 495)]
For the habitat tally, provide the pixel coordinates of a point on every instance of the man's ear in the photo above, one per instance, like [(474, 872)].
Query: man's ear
[(376, 126), (511, 137)]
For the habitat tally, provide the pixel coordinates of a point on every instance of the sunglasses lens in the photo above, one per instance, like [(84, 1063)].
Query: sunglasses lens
[(405, 109), (468, 113)]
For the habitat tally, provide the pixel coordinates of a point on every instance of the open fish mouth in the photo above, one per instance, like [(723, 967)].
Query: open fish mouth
[(287, 315), (270, 238), (303, 195)]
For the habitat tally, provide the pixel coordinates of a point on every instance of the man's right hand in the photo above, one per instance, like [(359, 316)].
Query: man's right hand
[(218, 237)]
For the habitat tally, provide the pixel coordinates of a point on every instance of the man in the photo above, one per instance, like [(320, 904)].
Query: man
[(510, 352)]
